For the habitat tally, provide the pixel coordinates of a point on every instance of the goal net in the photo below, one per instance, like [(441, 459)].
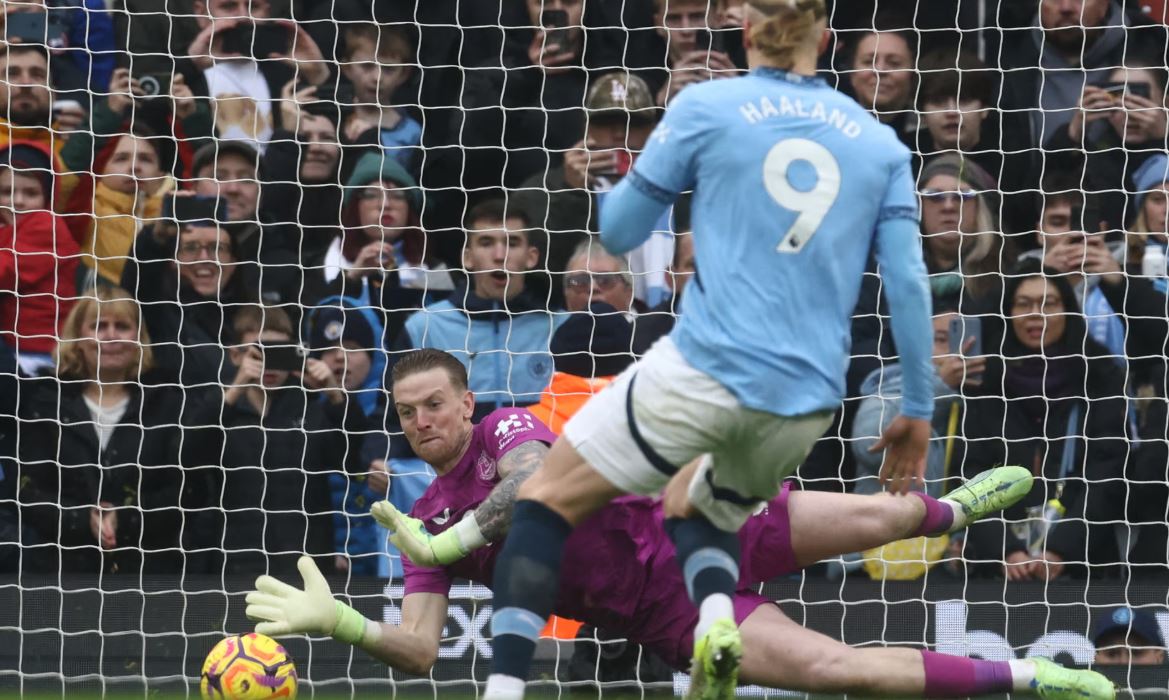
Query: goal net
[(223, 223)]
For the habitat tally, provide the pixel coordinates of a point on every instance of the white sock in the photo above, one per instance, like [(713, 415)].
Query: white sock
[(959, 514), (716, 606), (1022, 673), (501, 687)]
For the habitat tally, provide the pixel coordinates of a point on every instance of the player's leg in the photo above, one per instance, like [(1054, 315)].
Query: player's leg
[(865, 522), (728, 486), (782, 654), (599, 457)]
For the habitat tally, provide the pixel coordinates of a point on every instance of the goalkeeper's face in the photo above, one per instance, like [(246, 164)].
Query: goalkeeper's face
[(435, 416)]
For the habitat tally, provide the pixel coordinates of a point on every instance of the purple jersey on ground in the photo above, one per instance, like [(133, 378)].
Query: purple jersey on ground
[(619, 572)]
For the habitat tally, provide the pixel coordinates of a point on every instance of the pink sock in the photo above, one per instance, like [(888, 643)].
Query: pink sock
[(949, 676), (939, 517)]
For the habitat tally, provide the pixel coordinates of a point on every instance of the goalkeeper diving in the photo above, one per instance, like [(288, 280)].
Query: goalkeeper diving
[(620, 568)]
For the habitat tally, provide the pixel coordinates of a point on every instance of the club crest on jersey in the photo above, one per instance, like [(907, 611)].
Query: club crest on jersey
[(486, 467)]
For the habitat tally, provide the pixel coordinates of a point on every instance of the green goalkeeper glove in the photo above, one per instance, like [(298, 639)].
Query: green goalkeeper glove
[(281, 609), (411, 538)]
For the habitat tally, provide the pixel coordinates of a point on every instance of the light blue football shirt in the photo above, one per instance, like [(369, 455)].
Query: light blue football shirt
[(793, 181)]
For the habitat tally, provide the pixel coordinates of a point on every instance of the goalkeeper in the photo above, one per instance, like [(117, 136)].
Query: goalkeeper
[(623, 577)]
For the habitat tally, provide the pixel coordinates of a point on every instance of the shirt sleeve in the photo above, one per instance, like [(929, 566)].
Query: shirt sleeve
[(425, 579), (668, 165), (508, 428), (898, 242)]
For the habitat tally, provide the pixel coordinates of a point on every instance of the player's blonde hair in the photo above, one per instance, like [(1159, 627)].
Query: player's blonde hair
[(782, 28)]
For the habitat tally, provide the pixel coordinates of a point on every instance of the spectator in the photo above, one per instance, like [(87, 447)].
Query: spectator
[(881, 403), (682, 24), (100, 483), (191, 285), (82, 33), (1052, 399), (1150, 186), (659, 321), (1047, 64), (227, 170), (301, 172), (243, 88), (347, 339), (517, 111), (565, 200), (589, 350), (128, 179), (956, 101), (595, 274), (26, 100), (1126, 636), (377, 61), (963, 251), (383, 245), (278, 447), (1117, 128), (38, 257), (881, 75), (491, 324)]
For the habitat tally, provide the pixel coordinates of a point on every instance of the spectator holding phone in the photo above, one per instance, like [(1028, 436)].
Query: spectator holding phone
[(38, 256), (1052, 399), (520, 112), (280, 442), (1118, 126), (377, 61), (246, 58), (620, 116), (704, 41), (955, 370), (383, 254)]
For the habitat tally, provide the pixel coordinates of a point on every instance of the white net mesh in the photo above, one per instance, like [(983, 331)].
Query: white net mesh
[(223, 221)]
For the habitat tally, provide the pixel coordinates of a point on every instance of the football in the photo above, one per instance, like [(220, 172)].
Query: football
[(248, 667)]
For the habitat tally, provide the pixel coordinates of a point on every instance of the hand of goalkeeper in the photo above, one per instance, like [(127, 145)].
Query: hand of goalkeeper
[(411, 537), (281, 609)]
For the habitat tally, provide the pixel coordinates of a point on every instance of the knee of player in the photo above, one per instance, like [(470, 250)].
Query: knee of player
[(423, 661)]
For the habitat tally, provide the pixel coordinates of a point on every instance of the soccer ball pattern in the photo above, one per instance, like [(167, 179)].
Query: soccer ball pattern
[(248, 667)]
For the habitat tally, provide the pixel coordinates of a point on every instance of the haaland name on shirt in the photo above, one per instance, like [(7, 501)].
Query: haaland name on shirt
[(764, 108)]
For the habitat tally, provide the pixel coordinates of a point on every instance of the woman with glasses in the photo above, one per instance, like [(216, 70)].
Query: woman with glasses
[(191, 283), (1051, 399)]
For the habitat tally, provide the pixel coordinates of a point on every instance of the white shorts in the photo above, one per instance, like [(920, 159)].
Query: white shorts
[(661, 414)]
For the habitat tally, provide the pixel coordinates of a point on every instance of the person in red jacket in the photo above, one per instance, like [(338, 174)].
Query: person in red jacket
[(38, 256)]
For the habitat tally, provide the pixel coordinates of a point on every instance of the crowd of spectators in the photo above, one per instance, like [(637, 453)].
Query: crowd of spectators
[(221, 224)]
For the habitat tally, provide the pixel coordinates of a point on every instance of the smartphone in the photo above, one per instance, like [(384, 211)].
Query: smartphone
[(35, 28), (556, 29), (154, 84), (624, 162), (708, 40), (961, 330), (1135, 88), (257, 40), (195, 208), (283, 356)]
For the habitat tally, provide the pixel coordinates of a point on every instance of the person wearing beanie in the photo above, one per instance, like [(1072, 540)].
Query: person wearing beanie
[(1126, 636), (382, 247), (588, 351), (346, 335), (1150, 187), (38, 256)]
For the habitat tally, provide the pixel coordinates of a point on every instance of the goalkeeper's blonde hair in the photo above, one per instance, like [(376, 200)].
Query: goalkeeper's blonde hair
[(780, 29)]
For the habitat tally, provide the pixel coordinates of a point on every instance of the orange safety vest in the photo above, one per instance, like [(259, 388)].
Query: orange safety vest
[(564, 397)]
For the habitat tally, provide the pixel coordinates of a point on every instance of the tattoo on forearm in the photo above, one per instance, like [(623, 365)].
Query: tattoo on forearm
[(494, 514)]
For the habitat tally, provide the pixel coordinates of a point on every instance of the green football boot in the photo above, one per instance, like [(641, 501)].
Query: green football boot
[(1054, 682), (991, 491), (714, 671)]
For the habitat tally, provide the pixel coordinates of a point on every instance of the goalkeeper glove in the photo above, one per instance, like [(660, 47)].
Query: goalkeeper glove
[(281, 609), (411, 538)]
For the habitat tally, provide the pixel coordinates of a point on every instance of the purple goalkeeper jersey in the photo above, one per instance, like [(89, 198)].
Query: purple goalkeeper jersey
[(619, 571)]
